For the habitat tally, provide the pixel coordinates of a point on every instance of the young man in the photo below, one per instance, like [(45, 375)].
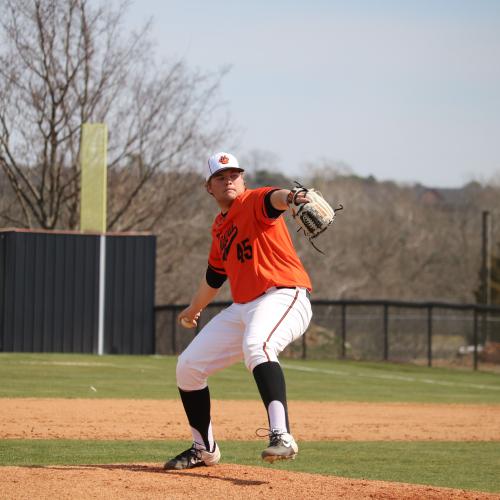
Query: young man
[(270, 288)]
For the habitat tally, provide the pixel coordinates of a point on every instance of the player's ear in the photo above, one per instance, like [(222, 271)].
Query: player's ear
[(208, 188)]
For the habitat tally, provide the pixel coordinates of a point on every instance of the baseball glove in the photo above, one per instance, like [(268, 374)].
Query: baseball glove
[(311, 211)]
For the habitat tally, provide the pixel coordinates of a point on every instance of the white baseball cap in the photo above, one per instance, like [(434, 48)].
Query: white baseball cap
[(222, 161)]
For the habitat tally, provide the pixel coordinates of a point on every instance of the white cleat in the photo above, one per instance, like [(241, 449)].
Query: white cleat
[(282, 446)]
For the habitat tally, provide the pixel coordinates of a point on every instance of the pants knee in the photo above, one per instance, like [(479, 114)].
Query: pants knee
[(255, 354), (189, 376)]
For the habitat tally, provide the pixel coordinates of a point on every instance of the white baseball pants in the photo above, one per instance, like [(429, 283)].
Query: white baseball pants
[(256, 331)]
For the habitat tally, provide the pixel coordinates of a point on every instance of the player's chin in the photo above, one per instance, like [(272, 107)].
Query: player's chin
[(230, 194)]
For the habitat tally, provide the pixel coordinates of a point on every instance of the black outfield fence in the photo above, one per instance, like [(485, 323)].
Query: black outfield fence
[(50, 289), (372, 330), (49, 302)]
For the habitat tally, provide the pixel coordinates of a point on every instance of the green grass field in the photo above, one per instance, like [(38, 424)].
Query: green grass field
[(153, 377), (468, 465)]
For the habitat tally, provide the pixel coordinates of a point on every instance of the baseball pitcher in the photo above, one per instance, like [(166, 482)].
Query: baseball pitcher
[(270, 288)]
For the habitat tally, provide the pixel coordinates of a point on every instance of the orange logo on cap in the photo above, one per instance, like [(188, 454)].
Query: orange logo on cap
[(223, 159)]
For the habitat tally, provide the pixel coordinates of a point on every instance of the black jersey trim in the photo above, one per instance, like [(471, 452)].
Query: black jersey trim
[(214, 279), (271, 212)]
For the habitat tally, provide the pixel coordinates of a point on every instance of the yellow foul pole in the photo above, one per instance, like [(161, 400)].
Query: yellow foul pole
[(94, 145)]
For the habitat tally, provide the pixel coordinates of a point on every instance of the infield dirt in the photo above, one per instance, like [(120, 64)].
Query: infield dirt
[(150, 419)]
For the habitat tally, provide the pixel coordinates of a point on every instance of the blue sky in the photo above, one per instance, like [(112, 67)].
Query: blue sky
[(402, 90)]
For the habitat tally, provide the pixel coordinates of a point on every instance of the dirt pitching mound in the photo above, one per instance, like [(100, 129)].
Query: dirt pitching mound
[(219, 482)]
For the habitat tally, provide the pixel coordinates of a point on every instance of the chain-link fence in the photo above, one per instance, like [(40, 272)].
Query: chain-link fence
[(429, 333)]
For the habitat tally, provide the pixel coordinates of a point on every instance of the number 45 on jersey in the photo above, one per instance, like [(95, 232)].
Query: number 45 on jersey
[(244, 250)]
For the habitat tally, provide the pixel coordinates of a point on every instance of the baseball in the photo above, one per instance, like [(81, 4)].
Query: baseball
[(187, 324)]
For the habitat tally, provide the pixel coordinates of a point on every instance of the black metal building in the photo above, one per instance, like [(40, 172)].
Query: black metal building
[(49, 292)]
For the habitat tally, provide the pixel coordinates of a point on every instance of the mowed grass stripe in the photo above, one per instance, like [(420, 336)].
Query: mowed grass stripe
[(153, 377), (466, 465), (388, 376)]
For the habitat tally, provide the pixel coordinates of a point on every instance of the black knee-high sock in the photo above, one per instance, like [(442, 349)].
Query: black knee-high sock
[(271, 384), (197, 408)]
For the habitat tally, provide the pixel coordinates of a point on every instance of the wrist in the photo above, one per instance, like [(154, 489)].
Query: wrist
[(279, 199)]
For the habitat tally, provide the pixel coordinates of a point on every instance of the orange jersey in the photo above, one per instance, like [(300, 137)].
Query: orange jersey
[(254, 251)]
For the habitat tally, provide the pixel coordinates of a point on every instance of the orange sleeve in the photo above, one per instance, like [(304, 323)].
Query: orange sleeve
[(260, 210), (214, 259)]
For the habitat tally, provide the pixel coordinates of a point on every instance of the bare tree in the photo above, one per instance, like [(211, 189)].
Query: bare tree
[(389, 242), (64, 63)]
